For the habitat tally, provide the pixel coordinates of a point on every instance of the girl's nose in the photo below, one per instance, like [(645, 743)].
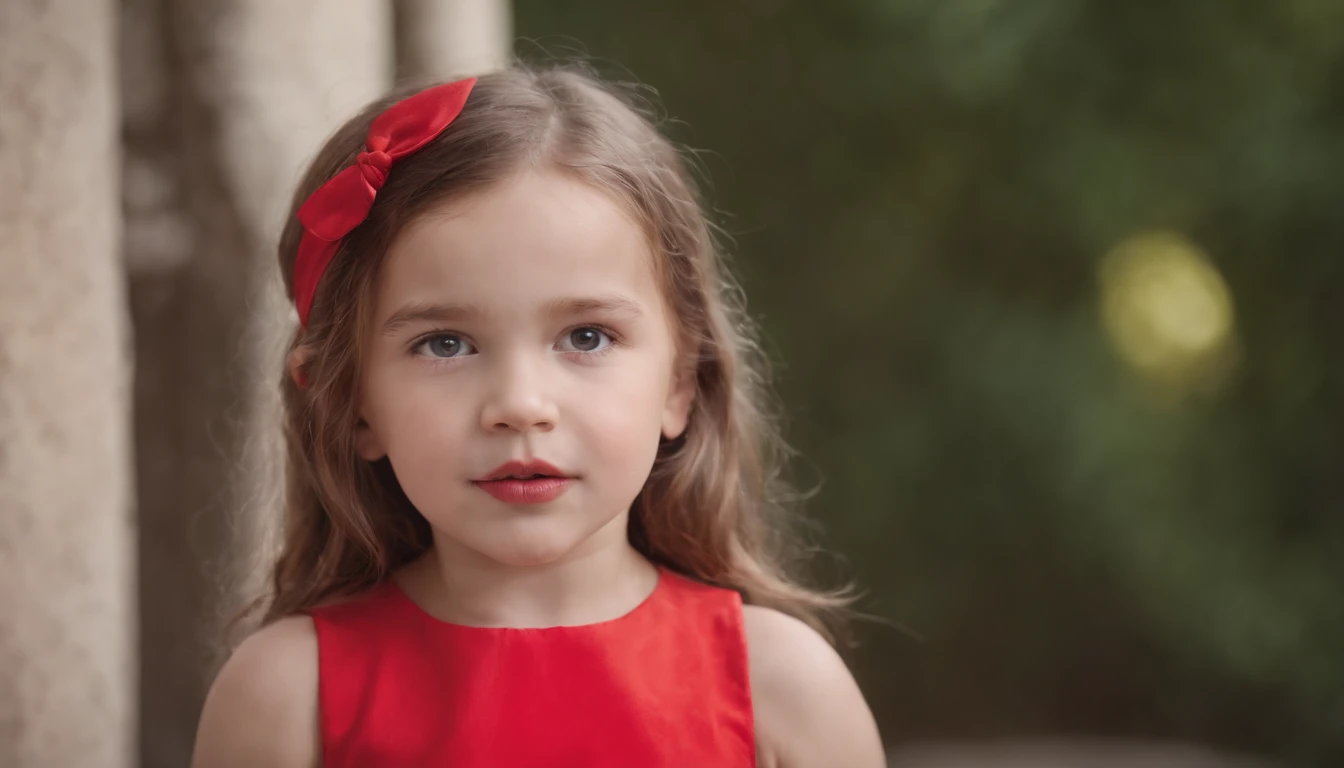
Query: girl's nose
[(519, 400)]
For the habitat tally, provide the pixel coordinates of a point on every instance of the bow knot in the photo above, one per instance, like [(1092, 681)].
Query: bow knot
[(374, 166)]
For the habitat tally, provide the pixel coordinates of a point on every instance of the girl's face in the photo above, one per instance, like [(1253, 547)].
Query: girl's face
[(523, 324)]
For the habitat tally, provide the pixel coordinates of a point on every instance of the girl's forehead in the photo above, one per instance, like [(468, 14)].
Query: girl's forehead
[(528, 241)]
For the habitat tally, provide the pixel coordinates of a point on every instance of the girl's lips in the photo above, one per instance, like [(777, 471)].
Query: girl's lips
[(536, 490), (522, 469)]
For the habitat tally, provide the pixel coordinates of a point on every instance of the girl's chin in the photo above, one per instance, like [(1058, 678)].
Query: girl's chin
[(529, 552), (532, 541)]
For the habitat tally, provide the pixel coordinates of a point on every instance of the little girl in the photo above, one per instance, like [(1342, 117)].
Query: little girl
[(530, 480)]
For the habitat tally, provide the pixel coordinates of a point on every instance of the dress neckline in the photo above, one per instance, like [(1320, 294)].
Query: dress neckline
[(399, 596)]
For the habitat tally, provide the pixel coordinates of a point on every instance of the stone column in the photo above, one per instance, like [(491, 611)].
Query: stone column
[(66, 591), (451, 38), (225, 100)]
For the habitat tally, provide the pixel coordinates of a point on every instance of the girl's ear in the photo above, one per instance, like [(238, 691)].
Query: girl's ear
[(677, 410), (367, 444), (298, 361)]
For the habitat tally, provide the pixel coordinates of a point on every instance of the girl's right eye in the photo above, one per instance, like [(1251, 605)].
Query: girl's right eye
[(442, 346)]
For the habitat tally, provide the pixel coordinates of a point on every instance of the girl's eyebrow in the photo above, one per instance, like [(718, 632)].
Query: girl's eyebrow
[(422, 311), (613, 302), (425, 311)]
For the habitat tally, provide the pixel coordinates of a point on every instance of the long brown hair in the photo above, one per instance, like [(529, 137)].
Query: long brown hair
[(715, 506)]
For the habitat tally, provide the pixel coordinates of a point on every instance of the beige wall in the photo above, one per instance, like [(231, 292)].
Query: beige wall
[(445, 39), (66, 607)]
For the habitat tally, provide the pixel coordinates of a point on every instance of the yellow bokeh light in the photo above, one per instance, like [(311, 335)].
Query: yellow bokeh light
[(1166, 307)]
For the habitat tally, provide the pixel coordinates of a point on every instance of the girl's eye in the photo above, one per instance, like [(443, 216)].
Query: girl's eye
[(586, 339), (444, 345)]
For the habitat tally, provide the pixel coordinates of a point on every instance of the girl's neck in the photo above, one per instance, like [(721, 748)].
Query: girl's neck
[(593, 586)]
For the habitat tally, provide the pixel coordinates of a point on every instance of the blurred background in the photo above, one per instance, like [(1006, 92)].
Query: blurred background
[(1054, 289)]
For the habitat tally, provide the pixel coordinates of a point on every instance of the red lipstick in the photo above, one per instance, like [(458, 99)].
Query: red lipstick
[(524, 482)]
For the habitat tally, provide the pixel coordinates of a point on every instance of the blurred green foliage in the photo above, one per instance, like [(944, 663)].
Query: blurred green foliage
[(921, 192)]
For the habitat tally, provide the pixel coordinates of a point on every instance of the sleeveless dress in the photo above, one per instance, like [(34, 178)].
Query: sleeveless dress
[(664, 686)]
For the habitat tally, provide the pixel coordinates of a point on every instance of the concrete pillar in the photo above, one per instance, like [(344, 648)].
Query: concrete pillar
[(225, 101), (450, 38), (66, 590)]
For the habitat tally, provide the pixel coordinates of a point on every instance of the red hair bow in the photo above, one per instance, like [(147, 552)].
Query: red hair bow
[(338, 206)]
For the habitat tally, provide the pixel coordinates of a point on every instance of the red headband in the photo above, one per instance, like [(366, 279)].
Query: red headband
[(339, 206)]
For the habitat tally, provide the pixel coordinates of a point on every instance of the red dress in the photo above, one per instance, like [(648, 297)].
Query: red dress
[(663, 686)]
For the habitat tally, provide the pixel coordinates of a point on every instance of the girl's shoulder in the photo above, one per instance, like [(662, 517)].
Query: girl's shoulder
[(262, 707), (808, 709)]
